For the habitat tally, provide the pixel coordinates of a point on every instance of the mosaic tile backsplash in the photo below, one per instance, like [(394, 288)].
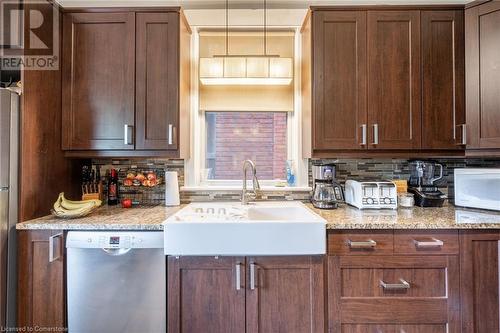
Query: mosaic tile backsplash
[(360, 169)]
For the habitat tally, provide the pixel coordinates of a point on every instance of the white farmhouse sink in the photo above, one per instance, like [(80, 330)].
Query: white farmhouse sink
[(263, 228)]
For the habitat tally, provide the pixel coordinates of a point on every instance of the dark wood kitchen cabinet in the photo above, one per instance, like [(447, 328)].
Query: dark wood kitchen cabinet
[(98, 80), (339, 71), (382, 281), (394, 92), (480, 281), (126, 82), (237, 294), (443, 80), (41, 283), (205, 294), (162, 80), (387, 81), (482, 37), (286, 295)]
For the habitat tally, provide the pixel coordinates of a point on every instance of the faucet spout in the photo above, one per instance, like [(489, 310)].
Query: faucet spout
[(245, 196)]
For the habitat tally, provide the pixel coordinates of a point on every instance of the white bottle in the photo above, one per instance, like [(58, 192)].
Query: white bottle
[(172, 189)]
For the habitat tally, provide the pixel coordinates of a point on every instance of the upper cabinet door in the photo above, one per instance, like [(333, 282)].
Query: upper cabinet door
[(98, 81), (483, 75), (157, 81), (339, 72), (443, 109), (394, 91)]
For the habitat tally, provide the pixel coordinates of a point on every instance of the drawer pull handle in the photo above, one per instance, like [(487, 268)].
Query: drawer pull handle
[(432, 243), (395, 286), (369, 244)]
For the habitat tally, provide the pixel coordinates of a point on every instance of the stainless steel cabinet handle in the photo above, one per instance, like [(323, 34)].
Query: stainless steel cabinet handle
[(375, 134), (238, 276), (432, 243), (52, 258), (369, 244), (464, 134), (252, 276), (127, 135), (170, 134), (363, 135), (395, 286)]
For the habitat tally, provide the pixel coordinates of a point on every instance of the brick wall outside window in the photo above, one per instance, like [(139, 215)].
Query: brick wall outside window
[(233, 137)]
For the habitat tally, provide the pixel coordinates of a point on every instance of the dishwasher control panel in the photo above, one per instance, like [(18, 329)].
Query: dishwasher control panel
[(115, 240)]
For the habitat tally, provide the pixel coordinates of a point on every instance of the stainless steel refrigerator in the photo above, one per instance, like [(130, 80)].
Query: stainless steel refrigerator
[(9, 155)]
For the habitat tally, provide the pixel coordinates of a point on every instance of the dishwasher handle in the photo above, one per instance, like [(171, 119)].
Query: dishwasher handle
[(116, 252)]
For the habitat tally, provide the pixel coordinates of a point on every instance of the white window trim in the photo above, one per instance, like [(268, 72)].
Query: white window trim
[(196, 162)]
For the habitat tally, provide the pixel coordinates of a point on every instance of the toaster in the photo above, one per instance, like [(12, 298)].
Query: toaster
[(371, 195)]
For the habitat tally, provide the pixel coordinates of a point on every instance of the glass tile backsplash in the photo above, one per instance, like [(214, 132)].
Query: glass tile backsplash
[(360, 169)]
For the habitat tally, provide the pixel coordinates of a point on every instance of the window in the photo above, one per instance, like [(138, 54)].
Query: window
[(232, 137), (232, 123)]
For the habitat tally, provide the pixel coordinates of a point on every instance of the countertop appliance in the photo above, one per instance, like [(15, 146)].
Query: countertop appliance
[(9, 145), (116, 282), (478, 188), (327, 193), (422, 183), (371, 195)]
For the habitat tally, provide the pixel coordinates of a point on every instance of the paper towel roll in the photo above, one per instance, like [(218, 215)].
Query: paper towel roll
[(172, 189)]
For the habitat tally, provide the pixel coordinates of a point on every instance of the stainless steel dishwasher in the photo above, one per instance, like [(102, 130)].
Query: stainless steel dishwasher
[(116, 282)]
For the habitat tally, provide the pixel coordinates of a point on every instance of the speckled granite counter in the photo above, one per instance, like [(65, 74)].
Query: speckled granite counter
[(151, 218), (107, 218), (447, 217)]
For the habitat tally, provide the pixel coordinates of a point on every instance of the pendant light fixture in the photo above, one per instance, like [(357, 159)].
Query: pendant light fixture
[(229, 69)]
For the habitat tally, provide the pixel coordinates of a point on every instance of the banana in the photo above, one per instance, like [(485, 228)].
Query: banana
[(68, 208), (71, 205)]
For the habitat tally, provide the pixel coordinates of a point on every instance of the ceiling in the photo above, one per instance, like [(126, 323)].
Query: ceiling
[(245, 4), (245, 13)]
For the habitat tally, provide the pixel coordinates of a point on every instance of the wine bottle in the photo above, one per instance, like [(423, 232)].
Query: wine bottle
[(113, 188)]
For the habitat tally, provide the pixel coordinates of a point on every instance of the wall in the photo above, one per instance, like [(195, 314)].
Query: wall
[(362, 169), (369, 169)]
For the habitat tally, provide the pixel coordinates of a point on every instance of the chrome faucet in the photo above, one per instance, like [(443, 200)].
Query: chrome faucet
[(245, 196)]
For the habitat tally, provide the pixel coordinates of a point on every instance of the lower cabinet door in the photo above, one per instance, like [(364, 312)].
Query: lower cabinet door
[(285, 294), (40, 290), (479, 281), (206, 294), (393, 294)]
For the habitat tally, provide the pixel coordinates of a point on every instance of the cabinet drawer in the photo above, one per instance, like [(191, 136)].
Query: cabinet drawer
[(360, 242), (392, 290), (393, 282), (426, 242), (378, 328)]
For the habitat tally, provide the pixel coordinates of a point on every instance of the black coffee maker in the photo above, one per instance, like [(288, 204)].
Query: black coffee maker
[(422, 183)]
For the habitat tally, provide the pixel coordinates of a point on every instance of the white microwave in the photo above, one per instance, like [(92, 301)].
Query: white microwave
[(477, 188)]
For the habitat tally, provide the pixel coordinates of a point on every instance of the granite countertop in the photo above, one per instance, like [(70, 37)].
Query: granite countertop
[(107, 218), (447, 217), (345, 217)]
